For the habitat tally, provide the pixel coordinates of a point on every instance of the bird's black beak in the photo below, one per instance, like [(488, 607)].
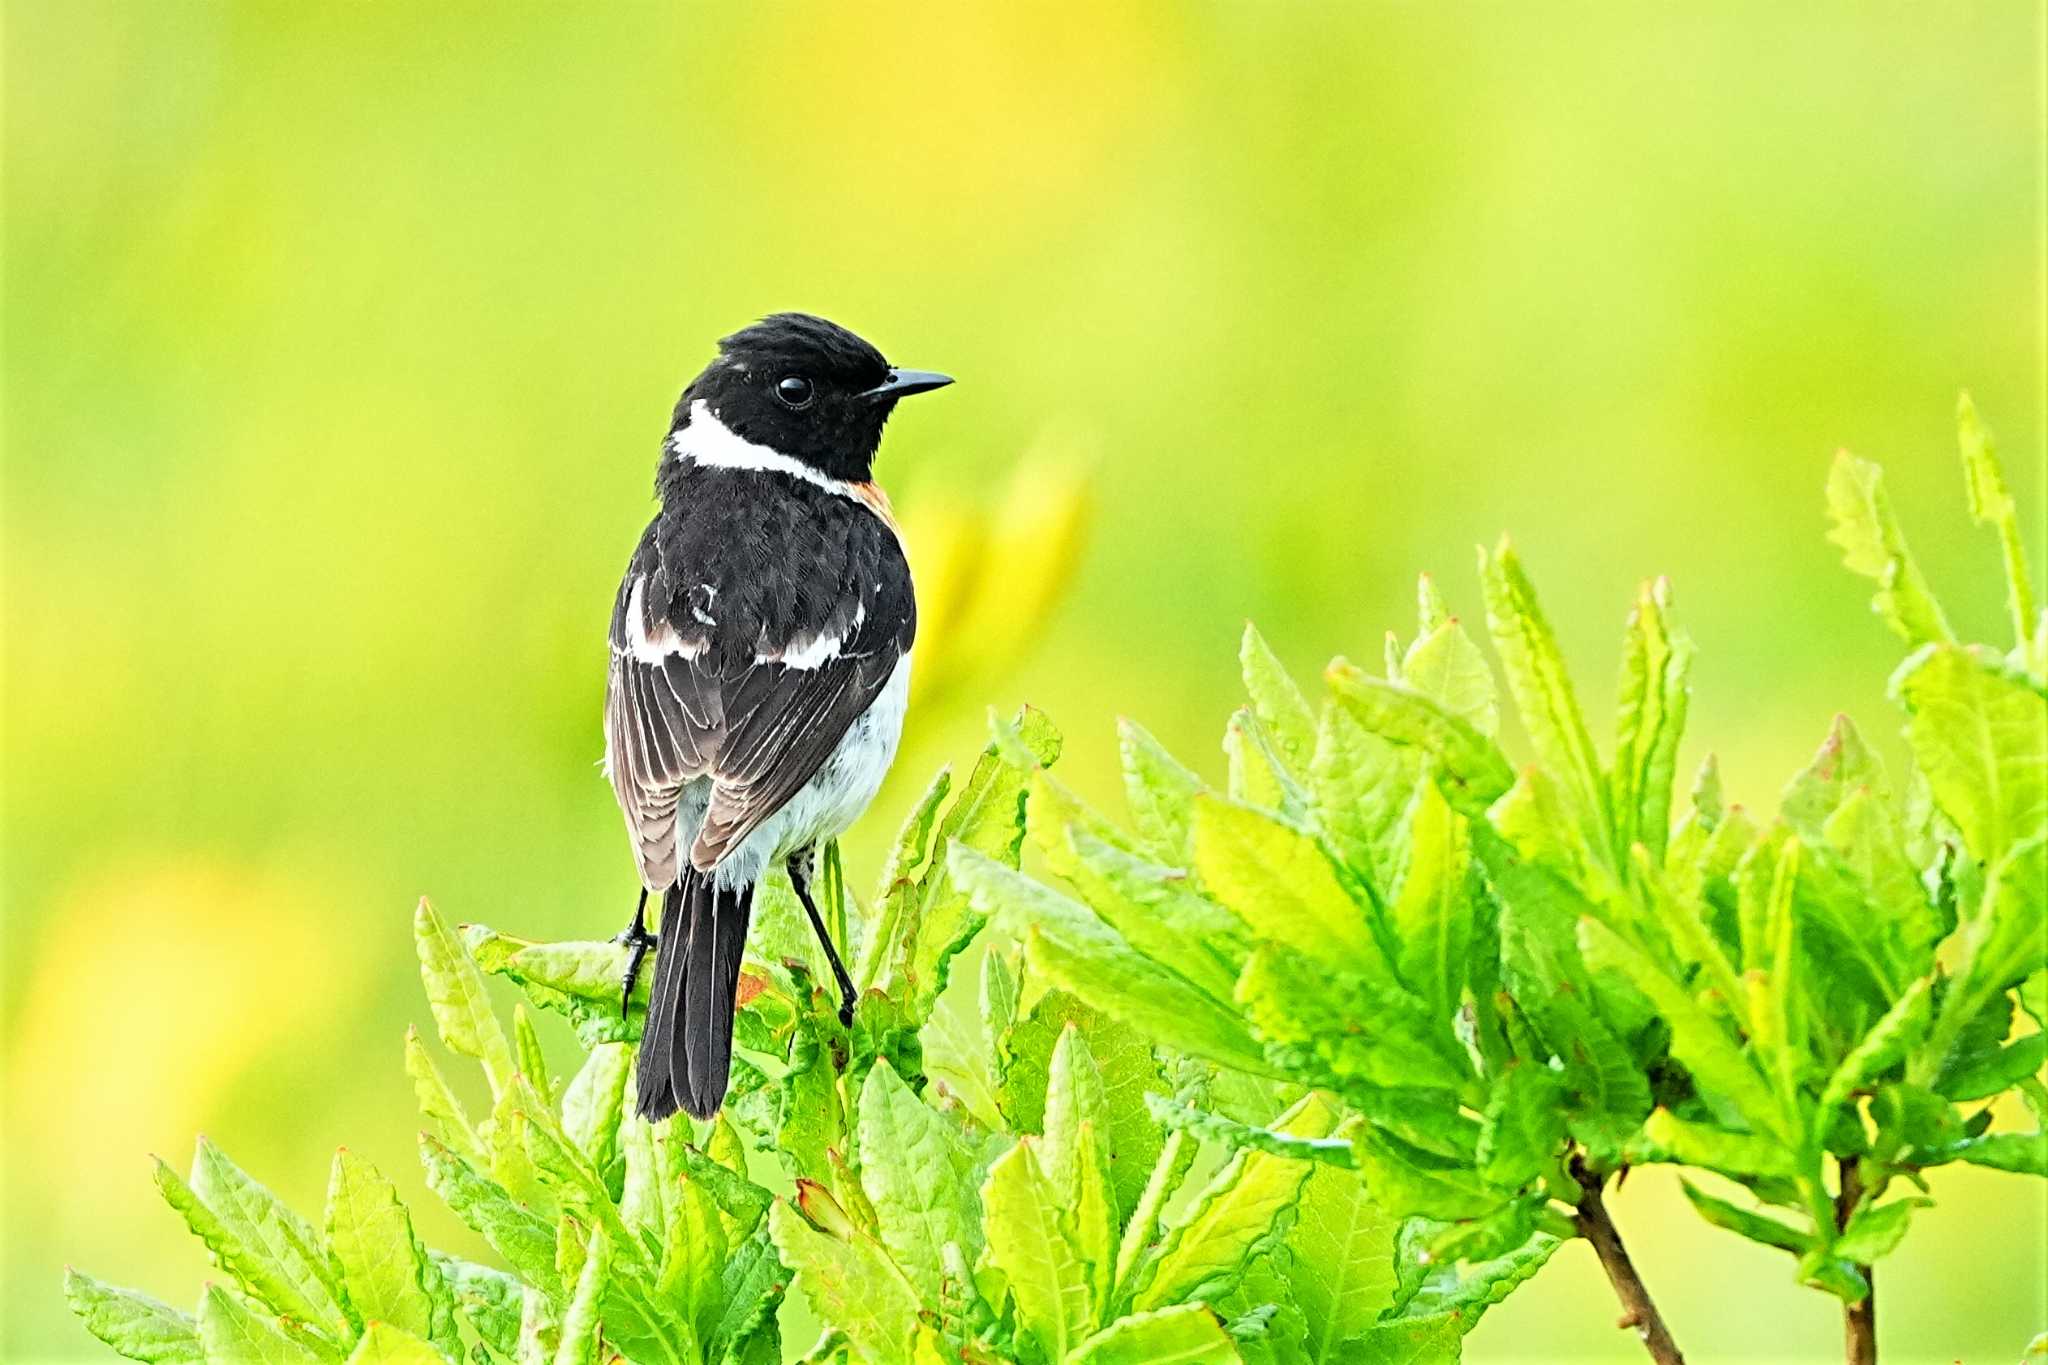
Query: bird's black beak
[(903, 383)]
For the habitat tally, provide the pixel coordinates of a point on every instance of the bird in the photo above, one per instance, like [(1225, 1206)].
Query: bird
[(759, 670)]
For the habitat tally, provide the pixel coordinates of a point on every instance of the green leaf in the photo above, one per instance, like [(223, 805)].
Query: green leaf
[(1283, 712), (132, 1323), (1326, 1028), (1739, 1156), (384, 1344), (1991, 504), (1875, 1230), (516, 1232), (1843, 766), (1233, 1135), (1405, 1179), (1717, 1063), (1076, 950), (1341, 1266), (455, 991), (438, 1105), (1873, 545), (1047, 1278), (851, 1284), (1997, 948), (1186, 1334), (1433, 915), (271, 1251), (1461, 1287), (1979, 733), (389, 1277), (1281, 885), (1364, 788), (1245, 1209), (2021, 1153), (1418, 1341), (1157, 909), (231, 1332), (526, 1049), (1138, 1245), (1257, 774), (1655, 687), (1996, 1073), (1542, 687), (594, 1103), (1160, 792), (490, 1299), (919, 1175), (1744, 1223), (582, 1326), (1444, 665), (1889, 1041), (1472, 769), (1524, 1127), (1074, 1099)]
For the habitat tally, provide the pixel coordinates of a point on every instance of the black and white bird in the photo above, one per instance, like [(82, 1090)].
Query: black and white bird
[(760, 663)]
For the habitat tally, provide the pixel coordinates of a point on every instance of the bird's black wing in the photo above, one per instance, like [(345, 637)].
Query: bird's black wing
[(750, 632)]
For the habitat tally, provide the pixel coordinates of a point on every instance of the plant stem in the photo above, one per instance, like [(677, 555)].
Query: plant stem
[(1638, 1312), (1859, 1319)]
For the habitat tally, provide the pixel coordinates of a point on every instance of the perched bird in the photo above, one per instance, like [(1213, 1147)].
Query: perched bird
[(760, 662)]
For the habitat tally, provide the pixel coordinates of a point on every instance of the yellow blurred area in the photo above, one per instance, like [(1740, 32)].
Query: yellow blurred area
[(340, 340)]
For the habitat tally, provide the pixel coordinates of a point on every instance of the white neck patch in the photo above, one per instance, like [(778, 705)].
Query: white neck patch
[(711, 444)]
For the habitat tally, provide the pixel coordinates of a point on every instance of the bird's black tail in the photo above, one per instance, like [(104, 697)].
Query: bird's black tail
[(686, 1047)]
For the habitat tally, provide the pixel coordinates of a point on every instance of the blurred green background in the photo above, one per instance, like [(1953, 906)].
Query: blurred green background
[(340, 341)]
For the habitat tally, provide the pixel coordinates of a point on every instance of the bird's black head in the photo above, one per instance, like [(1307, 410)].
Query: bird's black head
[(802, 387)]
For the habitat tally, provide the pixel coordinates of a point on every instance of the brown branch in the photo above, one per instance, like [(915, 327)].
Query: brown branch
[(1859, 1319), (1638, 1313)]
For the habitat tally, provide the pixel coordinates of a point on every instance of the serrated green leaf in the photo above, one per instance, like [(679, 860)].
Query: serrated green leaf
[(526, 1050), (1655, 690), (489, 1299), (455, 991), (1364, 788), (582, 1324), (1234, 1135), (1997, 948), (594, 1103), (1991, 504), (1844, 765), (1048, 1279), (1074, 1099), (1245, 1209), (539, 1329), (1996, 1072), (1256, 773), (1279, 882), (1157, 909), (1471, 768), (1745, 1223), (1186, 1334), (1325, 1028), (1160, 792), (1542, 689), (232, 1332), (1076, 950), (1418, 1341), (851, 1284), (1875, 1230), (1444, 665), (1739, 1156), (438, 1105), (1433, 914), (1405, 1179), (1873, 545), (1524, 1125), (751, 1291), (389, 1277), (1979, 733), (1278, 703), (1718, 1065), (384, 1344), (1468, 1268), (1340, 1269), (1141, 1229), (271, 1251), (1883, 1047), (919, 1174), (514, 1231), (132, 1323), (2021, 1153)]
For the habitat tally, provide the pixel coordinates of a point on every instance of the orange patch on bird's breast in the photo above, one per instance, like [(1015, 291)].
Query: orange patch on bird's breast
[(878, 503)]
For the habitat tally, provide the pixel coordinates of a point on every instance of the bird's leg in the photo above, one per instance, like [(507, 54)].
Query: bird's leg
[(637, 941), (800, 878)]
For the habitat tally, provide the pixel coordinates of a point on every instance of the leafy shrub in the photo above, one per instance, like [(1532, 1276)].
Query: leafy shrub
[(1314, 1067)]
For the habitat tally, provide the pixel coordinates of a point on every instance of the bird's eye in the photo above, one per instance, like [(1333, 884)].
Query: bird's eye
[(795, 391)]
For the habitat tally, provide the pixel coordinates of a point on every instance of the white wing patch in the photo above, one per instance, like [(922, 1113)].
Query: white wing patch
[(651, 647)]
